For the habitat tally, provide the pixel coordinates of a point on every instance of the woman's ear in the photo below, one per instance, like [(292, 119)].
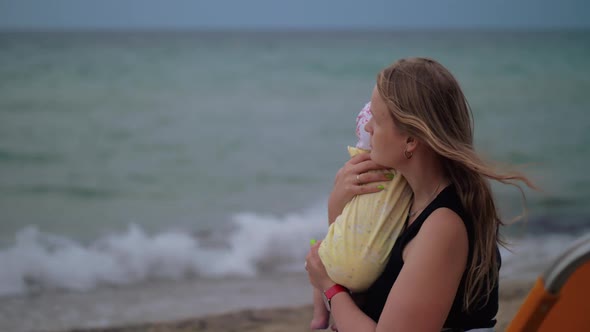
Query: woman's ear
[(411, 144)]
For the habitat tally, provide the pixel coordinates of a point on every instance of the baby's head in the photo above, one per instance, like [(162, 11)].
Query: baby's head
[(364, 137)]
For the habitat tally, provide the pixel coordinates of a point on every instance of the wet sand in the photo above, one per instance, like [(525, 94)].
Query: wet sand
[(295, 319)]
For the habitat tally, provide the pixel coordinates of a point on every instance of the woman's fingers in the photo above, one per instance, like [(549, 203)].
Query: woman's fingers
[(355, 178), (313, 252), (366, 166), (370, 177), (315, 268), (367, 189), (313, 258), (357, 165)]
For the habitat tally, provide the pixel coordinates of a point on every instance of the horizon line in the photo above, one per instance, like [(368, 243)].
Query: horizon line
[(477, 28)]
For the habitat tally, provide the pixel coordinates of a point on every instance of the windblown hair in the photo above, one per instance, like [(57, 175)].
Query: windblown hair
[(427, 103)]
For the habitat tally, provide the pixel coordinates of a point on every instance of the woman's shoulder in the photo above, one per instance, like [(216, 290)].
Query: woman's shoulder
[(444, 224)]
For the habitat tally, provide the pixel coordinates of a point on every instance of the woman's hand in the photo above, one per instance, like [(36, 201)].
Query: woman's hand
[(316, 270), (354, 179)]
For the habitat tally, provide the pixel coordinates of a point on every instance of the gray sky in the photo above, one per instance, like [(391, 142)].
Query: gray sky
[(292, 13)]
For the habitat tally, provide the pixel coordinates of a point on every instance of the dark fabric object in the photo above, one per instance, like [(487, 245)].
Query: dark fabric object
[(480, 316)]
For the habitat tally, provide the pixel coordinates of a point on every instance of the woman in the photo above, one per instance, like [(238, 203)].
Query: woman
[(443, 270)]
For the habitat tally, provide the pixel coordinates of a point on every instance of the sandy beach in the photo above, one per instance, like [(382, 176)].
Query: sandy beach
[(512, 294)]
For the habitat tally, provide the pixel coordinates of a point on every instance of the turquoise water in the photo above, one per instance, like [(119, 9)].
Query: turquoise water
[(196, 152)]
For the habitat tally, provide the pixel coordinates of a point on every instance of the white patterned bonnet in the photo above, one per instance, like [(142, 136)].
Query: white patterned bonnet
[(364, 138)]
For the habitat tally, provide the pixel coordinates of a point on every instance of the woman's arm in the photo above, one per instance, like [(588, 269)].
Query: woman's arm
[(346, 185), (434, 262), (346, 314), (423, 293)]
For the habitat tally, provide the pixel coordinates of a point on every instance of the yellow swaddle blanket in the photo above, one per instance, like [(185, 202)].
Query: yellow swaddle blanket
[(358, 243)]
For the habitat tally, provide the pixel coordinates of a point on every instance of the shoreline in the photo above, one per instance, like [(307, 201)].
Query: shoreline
[(294, 319)]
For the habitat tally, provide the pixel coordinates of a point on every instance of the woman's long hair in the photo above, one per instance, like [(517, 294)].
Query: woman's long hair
[(427, 103)]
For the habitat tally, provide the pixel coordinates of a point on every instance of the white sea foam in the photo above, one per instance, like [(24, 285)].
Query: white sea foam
[(258, 243)]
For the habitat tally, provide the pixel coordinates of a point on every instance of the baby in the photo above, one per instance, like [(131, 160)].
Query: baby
[(358, 243)]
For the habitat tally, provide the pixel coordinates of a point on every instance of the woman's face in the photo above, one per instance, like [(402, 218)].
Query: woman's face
[(387, 142)]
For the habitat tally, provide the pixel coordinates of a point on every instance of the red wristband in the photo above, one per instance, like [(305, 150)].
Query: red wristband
[(330, 292)]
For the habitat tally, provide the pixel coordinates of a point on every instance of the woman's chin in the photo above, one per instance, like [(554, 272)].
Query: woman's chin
[(381, 161)]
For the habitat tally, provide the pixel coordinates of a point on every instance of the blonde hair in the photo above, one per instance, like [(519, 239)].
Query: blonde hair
[(427, 103)]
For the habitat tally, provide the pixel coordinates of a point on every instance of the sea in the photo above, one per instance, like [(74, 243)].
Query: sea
[(160, 175)]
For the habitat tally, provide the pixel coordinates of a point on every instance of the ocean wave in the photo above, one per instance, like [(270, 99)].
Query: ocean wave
[(254, 244), (39, 261)]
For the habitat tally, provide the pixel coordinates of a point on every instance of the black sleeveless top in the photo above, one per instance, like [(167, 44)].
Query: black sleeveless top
[(480, 316)]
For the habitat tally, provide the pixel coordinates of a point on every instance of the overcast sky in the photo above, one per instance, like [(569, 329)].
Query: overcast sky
[(292, 13)]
